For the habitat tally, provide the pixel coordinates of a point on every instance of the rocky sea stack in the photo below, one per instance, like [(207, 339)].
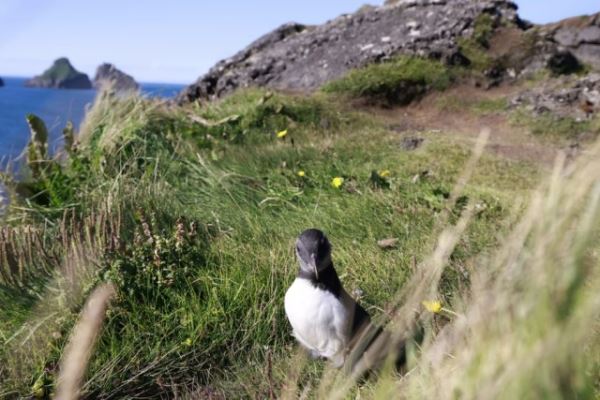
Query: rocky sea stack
[(108, 74), (61, 75)]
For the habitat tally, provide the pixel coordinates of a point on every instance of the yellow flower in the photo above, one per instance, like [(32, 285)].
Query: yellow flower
[(39, 393), (433, 306), (282, 134), (187, 342), (384, 173), (38, 388), (301, 173), (337, 182)]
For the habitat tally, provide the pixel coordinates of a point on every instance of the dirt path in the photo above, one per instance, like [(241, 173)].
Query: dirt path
[(452, 113)]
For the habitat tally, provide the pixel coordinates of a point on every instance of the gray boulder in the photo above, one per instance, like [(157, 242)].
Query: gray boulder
[(580, 36), (61, 75), (108, 74), (301, 58)]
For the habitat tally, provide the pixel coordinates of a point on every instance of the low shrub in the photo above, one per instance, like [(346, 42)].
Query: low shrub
[(399, 81)]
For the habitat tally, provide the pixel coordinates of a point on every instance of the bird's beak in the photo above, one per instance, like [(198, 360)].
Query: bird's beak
[(313, 259)]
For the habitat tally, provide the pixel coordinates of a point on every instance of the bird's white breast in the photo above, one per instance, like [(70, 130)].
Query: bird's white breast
[(320, 321)]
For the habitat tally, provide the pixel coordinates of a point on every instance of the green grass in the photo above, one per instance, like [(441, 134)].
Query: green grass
[(483, 29), (556, 127), (475, 47), (399, 81), (453, 103), (194, 223)]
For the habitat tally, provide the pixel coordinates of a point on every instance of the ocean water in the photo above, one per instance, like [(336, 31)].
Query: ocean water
[(54, 106)]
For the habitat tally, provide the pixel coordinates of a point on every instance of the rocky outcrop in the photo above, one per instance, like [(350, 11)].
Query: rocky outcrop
[(580, 36), (108, 75), (302, 58), (298, 57), (61, 75), (575, 98), (577, 44), (1, 82)]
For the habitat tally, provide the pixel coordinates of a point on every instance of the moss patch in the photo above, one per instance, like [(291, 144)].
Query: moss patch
[(475, 47)]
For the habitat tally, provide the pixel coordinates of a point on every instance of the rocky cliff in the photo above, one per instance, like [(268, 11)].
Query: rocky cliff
[(1, 82), (61, 75), (108, 74), (300, 58)]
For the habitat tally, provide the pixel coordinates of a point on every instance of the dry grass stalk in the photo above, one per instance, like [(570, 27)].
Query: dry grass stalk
[(77, 354)]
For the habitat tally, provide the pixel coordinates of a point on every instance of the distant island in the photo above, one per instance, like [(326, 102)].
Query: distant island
[(108, 74), (61, 75)]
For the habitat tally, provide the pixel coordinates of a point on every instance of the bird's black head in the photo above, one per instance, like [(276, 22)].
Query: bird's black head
[(313, 251)]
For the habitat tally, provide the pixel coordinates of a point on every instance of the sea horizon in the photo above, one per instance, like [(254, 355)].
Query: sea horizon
[(145, 82), (55, 106)]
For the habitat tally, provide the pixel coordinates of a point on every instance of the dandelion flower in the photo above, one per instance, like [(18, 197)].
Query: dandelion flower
[(282, 134), (337, 182), (432, 306), (301, 173), (384, 173)]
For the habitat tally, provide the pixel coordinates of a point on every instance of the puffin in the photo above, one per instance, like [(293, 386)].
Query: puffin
[(325, 319)]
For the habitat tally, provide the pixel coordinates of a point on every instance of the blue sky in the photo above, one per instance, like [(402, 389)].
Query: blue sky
[(172, 41)]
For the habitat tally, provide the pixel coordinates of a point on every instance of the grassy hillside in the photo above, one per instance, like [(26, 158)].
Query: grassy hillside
[(191, 213)]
